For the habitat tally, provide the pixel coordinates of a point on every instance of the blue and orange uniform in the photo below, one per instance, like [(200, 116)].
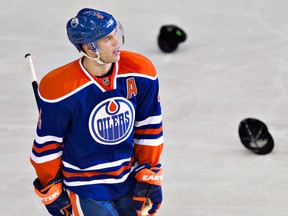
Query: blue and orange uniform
[(95, 130)]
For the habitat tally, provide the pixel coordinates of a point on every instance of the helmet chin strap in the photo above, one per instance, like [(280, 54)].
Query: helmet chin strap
[(98, 60)]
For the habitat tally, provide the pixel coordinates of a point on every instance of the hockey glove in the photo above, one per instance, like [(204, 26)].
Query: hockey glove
[(54, 198), (148, 189)]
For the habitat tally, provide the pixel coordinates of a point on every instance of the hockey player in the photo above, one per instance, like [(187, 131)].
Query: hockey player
[(99, 133)]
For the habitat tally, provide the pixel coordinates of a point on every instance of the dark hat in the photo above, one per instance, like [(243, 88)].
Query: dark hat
[(255, 136), (169, 38)]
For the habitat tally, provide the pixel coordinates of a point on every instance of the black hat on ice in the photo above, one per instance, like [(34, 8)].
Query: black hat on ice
[(255, 136), (169, 38)]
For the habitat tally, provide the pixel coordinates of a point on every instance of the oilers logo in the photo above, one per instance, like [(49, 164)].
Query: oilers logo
[(111, 121)]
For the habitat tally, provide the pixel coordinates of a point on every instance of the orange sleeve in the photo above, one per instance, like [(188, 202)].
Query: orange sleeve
[(47, 171), (148, 154)]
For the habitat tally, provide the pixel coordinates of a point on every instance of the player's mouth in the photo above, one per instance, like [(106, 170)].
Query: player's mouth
[(116, 51)]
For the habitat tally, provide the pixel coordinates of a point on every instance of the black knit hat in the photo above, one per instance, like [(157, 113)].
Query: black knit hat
[(255, 136), (169, 38)]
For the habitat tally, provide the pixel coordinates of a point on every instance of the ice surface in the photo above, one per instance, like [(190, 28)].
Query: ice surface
[(233, 65)]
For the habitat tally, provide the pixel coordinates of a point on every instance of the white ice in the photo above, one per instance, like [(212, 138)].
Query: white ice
[(233, 65)]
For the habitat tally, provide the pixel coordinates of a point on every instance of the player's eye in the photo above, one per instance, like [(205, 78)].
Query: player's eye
[(107, 39)]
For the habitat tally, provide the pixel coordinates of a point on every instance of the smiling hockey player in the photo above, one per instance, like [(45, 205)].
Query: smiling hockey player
[(99, 134)]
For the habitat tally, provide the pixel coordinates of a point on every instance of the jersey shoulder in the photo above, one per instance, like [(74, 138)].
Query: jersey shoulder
[(131, 62), (62, 81)]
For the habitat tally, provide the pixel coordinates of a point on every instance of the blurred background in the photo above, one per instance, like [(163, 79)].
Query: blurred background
[(233, 65)]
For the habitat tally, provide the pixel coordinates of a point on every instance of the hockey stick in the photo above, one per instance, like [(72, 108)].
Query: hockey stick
[(34, 77)]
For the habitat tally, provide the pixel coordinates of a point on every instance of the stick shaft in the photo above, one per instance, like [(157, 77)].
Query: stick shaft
[(31, 66), (33, 76)]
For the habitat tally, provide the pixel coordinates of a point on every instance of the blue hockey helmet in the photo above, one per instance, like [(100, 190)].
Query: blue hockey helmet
[(88, 26)]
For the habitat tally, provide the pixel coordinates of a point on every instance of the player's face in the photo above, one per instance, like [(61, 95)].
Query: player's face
[(109, 47)]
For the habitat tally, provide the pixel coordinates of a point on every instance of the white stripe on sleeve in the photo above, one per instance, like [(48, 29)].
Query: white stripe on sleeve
[(44, 139), (150, 120), (46, 158), (149, 142)]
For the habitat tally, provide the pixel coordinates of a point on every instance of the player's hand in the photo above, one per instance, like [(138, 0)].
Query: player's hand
[(148, 189), (54, 198)]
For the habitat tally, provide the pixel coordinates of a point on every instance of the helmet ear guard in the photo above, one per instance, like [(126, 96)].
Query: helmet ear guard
[(93, 46)]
